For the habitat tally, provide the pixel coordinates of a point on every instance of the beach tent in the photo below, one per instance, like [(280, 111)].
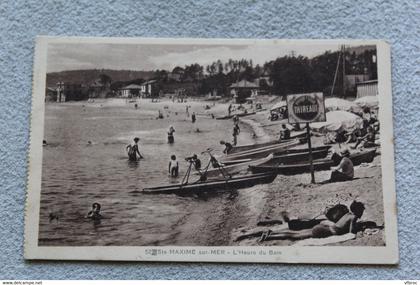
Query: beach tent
[(278, 111), (338, 121), (368, 101), (334, 104), (278, 105)]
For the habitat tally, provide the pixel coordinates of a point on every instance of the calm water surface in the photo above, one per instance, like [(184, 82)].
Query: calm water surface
[(76, 174)]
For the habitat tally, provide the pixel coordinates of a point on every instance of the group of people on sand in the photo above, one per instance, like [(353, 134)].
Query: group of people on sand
[(361, 137)]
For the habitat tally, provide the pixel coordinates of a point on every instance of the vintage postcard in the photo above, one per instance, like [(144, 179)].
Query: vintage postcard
[(211, 150)]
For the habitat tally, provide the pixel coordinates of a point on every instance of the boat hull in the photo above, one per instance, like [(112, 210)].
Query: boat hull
[(214, 185), (261, 152), (320, 164), (236, 168)]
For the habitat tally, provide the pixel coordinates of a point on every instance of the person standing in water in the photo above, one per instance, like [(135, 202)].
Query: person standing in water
[(171, 132), (173, 166), (235, 134), (193, 118), (133, 150)]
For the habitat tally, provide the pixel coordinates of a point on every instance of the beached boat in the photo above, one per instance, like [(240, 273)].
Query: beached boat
[(299, 156), (319, 164), (236, 168), (262, 152), (238, 114), (213, 185), (246, 147), (295, 154)]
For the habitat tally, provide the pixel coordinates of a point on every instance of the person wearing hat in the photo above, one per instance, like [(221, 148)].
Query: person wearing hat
[(345, 170), (133, 150)]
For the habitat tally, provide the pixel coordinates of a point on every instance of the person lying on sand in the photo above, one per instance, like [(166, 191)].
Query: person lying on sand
[(346, 224)]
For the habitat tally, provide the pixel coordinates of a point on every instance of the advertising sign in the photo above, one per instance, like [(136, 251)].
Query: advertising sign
[(306, 108)]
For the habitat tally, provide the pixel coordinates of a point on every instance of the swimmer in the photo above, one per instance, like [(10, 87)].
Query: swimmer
[(94, 214), (44, 143)]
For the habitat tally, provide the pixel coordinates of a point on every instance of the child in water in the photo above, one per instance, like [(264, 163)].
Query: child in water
[(173, 166), (94, 214)]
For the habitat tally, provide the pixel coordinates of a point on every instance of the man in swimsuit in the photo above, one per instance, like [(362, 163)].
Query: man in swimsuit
[(345, 170), (133, 150), (228, 147)]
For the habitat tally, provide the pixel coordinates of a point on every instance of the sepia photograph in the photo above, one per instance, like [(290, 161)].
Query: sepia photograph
[(211, 150)]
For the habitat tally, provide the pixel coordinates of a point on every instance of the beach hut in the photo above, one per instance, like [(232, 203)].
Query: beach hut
[(335, 104), (368, 101), (279, 111), (339, 121)]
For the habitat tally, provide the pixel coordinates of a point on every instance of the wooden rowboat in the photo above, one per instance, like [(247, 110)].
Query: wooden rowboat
[(261, 152), (293, 155), (319, 164), (299, 156), (247, 147), (213, 185), (236, 168)]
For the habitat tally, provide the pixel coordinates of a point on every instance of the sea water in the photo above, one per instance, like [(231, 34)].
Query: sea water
[(85, 162)]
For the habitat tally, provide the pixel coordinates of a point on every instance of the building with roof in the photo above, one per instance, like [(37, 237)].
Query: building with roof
[(243, 89), (150, 88), (132, 90), (367, 88)]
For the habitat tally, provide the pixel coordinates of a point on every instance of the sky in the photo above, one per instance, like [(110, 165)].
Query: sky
[(148, 57)]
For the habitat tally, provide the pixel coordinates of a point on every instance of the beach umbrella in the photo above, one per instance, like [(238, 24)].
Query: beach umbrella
[(338, 121), (368, 101), (334, 104)]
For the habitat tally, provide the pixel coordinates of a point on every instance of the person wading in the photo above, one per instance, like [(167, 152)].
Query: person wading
[(173, 167), (171, 132), (133, 150)]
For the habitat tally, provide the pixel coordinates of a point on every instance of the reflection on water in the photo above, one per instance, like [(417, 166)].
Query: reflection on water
[(76, 174)]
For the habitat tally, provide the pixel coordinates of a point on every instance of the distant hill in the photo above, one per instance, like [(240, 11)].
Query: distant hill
[(89, 75)]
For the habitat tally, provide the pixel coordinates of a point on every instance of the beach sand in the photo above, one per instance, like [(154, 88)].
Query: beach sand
[(301, 199)]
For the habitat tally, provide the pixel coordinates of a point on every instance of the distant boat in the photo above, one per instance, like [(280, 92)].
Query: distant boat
[(319, 164), (233, 115), (213, 185)]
